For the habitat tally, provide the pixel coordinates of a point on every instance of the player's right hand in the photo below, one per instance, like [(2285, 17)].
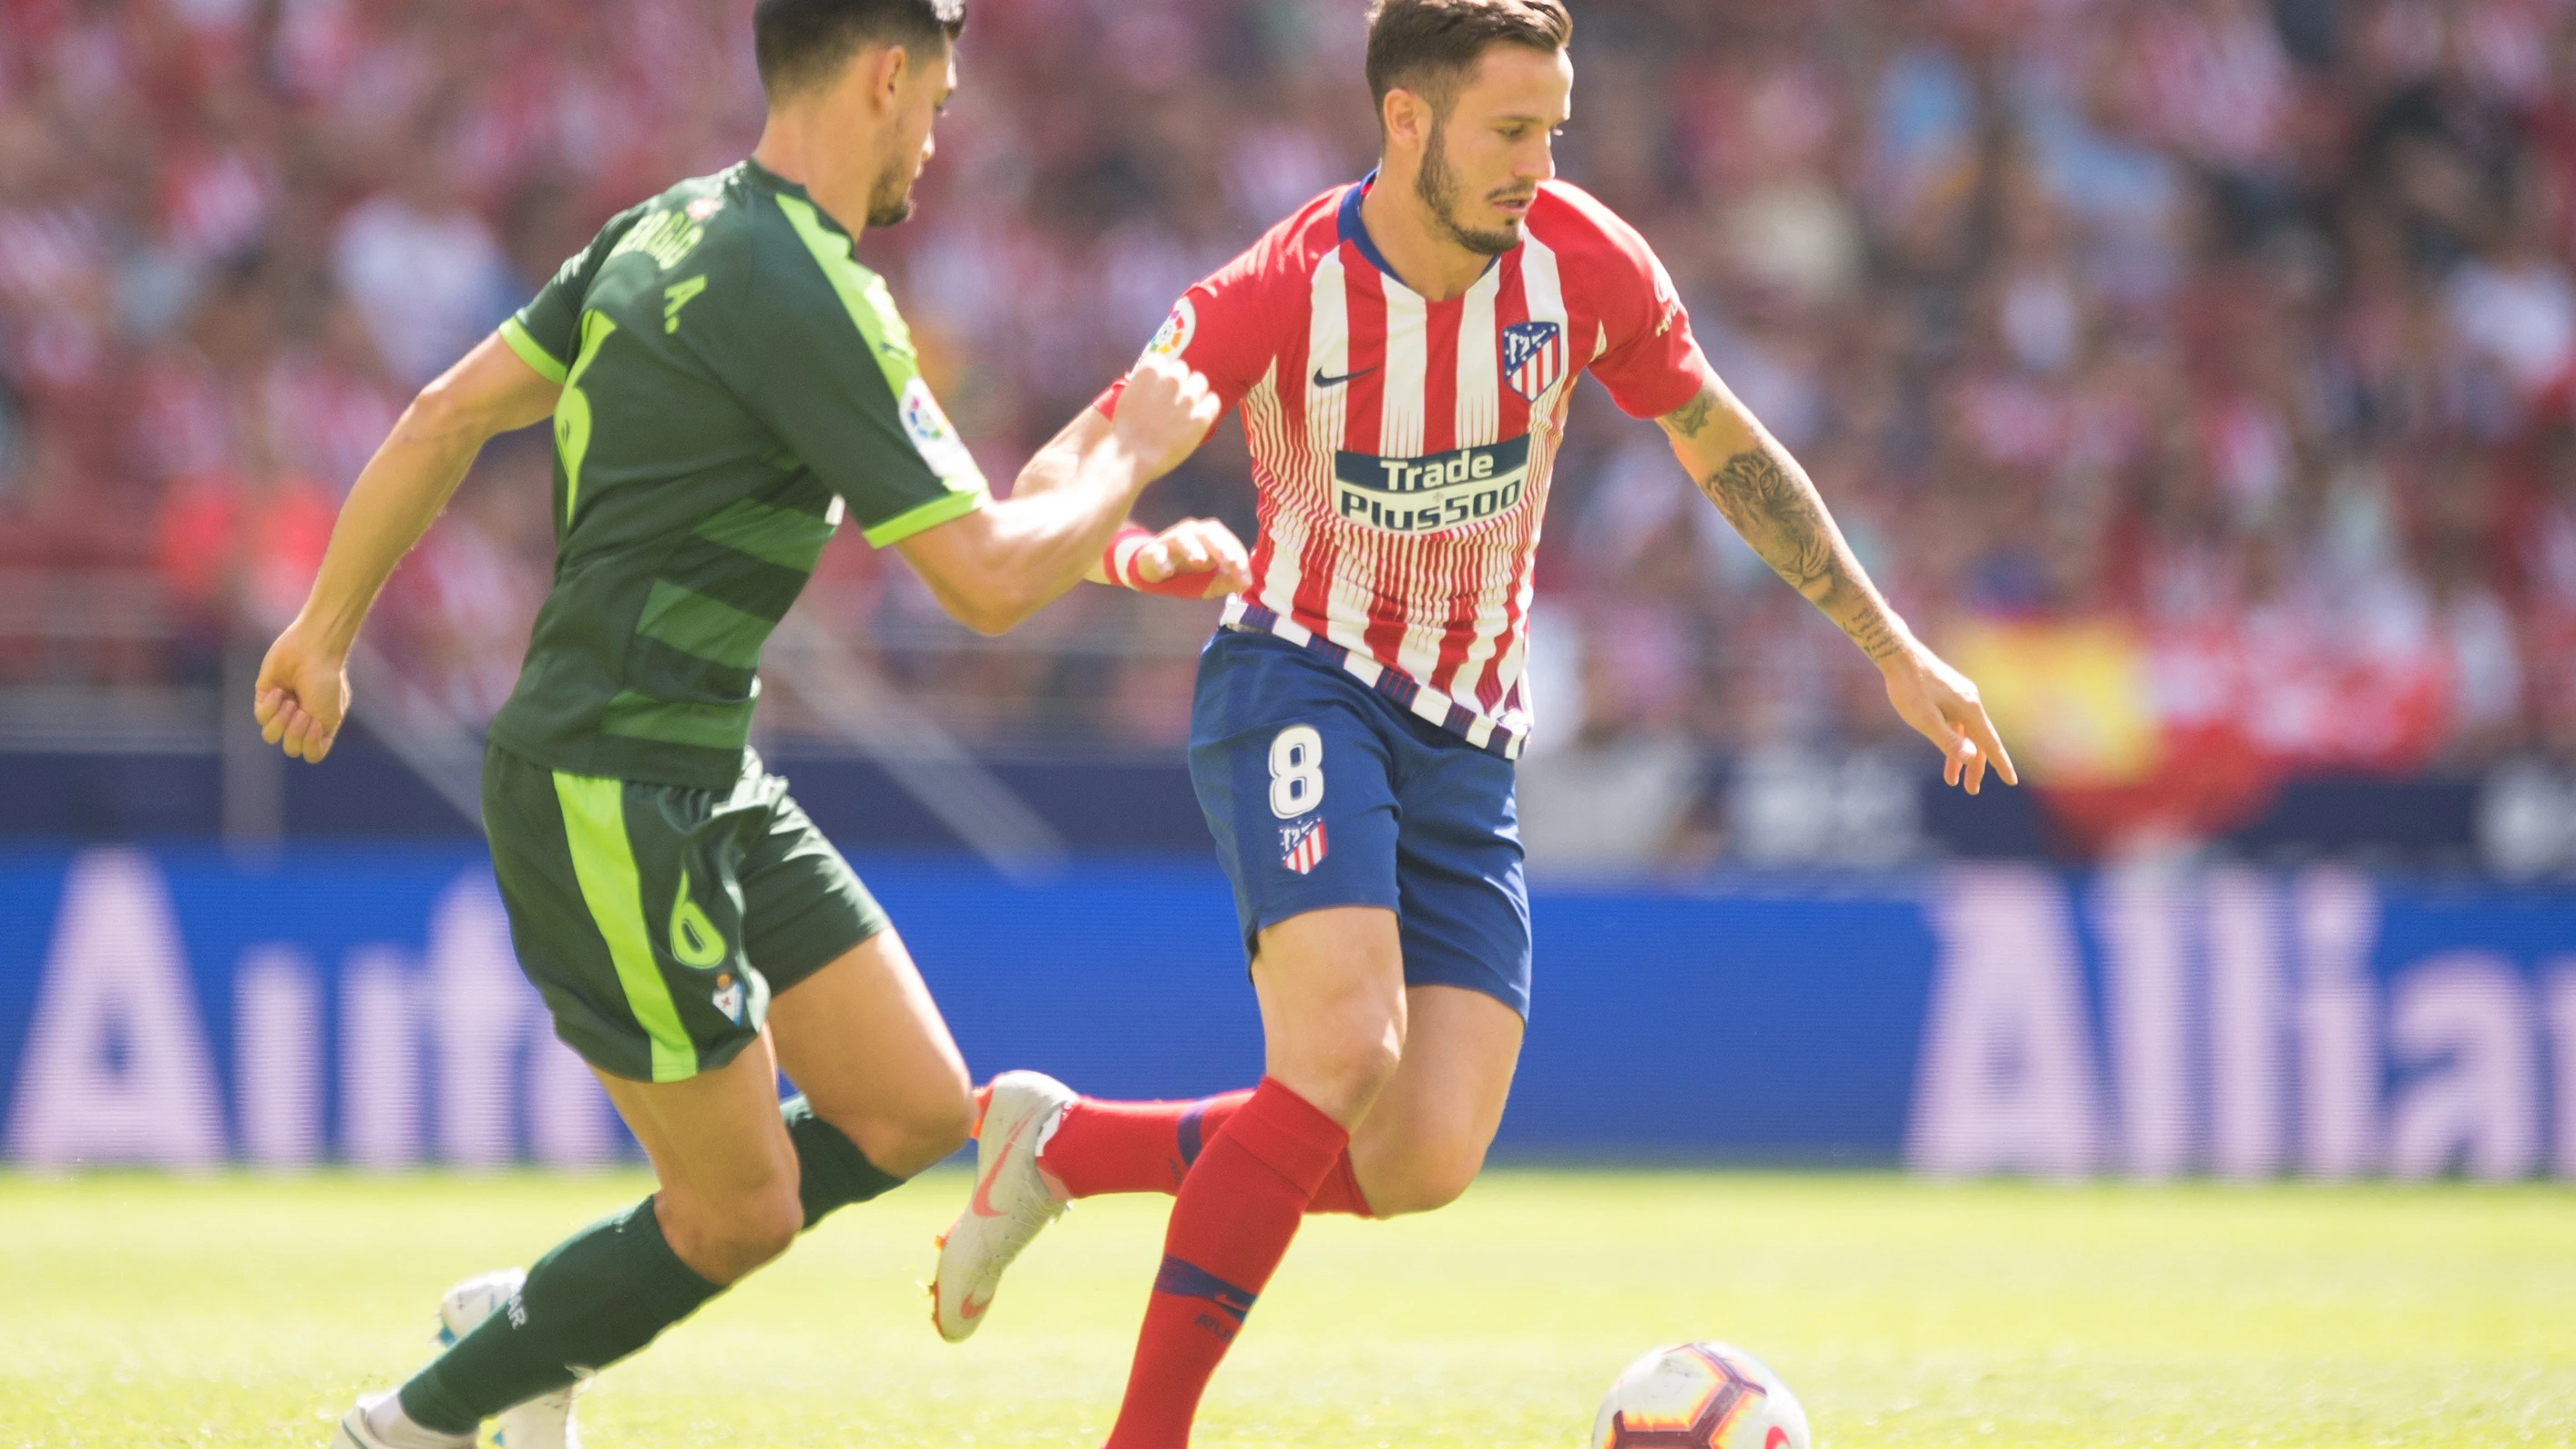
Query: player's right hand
[(1196, 558), (302, 695), (1164, 413), (1943, 706)]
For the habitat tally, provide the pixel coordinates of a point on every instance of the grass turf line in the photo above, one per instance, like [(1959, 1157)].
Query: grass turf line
[(241, 1310)]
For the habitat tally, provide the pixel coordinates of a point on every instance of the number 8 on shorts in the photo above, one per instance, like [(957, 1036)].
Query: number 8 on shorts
[(1296, 771)]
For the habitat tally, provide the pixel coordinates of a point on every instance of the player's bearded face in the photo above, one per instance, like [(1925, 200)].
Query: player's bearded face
[(890, 198), (1443, 194)]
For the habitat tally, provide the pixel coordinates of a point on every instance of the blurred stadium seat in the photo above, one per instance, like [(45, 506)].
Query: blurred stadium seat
[(2225, 344), (2199, 375)]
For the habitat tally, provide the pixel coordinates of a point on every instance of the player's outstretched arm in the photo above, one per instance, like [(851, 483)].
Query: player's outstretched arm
[(994, 567), (1196, 558), (1775, 506), (303, 690)]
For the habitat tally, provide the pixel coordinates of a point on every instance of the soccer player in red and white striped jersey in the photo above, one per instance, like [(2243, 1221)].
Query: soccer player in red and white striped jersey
[(1402, 350), (1402, 444)]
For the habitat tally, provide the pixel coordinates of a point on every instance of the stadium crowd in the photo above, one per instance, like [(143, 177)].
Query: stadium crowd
[(2198, 370)]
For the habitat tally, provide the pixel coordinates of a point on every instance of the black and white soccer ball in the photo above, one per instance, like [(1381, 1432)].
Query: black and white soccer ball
[(1699, 1396)]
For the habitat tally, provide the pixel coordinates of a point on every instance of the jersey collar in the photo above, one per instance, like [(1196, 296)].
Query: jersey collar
[(767, 179), (1355, 231), (1351, 229)]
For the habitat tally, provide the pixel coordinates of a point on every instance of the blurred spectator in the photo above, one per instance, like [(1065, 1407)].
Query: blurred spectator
[(2220, 350), (425, 272)]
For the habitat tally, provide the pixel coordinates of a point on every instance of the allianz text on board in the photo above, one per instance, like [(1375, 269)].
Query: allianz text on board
[(172, 1008)]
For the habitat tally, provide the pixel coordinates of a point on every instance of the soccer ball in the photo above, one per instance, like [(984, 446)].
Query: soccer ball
[(1699, 1396)]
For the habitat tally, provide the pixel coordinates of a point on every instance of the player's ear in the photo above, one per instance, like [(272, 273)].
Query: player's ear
[(888, 68), (1406, 119)]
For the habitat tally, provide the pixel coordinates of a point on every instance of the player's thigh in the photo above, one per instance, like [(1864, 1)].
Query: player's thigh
[(1425, 1139), (854, 1027), (720, 1151), (1459, 873), (1292, 770), (1331, 987), (1291, 763), (864, 1042)]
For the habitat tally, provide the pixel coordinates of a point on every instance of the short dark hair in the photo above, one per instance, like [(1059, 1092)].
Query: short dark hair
[(804, 43), (1428, 46)]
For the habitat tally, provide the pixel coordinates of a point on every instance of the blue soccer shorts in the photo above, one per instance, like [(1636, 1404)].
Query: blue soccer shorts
[(1323, 792)]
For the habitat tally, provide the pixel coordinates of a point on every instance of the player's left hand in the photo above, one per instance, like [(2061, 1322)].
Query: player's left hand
[(302, 695), (1191, 547), (1942, 705)]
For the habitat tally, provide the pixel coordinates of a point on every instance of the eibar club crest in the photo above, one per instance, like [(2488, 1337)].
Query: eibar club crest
[(1301, 846), (1533, 357)]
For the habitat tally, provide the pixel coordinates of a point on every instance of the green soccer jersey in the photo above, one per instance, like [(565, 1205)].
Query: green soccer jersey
[(732, 382)]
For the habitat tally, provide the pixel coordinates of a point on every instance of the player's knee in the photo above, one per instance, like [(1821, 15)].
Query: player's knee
[(919, 1131), (934, 1128), (1428, 1180), (1344, 1084), (1356, 1066), (767, 1225), (1339, 1074), (746, 1230)]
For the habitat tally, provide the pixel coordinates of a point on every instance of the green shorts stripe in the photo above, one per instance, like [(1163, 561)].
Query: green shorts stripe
[(594, 812), (658, 920)]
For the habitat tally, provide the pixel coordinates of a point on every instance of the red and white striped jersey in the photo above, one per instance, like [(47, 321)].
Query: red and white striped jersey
[(1402, 448)]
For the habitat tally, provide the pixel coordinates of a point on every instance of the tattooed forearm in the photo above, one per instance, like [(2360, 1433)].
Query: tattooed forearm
[(1767, 496), (1771, 502)]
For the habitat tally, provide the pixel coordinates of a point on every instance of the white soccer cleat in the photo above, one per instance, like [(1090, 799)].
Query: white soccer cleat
[(544, 1422), (1013, 1200), (358, 1429)]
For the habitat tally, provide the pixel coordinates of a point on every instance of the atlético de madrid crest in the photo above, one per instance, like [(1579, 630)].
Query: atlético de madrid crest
[(1533, 357), (1302, 845)]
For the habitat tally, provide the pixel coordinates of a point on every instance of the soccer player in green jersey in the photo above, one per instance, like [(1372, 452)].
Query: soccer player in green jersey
[(726, 382)]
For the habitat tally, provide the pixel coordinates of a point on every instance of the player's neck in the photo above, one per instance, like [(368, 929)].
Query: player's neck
[(790, 149), (1425, 258)]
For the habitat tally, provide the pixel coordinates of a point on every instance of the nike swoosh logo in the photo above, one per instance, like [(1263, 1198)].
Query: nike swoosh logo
[(981, 1205), (1322, 381), (970, 1310)]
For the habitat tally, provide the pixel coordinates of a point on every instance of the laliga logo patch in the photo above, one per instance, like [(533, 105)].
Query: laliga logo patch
[(1173, 338), (931, 433), (728, 998), (704, 207), (1533, 357), (1302, 846), (922, 416)]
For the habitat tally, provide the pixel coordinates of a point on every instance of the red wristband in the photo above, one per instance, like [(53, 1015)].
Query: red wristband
[(1118, 562)]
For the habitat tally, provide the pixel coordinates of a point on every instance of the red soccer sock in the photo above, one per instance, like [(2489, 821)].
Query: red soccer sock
[(1105, 1147), (1236, 1213)]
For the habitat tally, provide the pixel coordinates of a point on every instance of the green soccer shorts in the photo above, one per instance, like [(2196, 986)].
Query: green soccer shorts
[(657, 920)]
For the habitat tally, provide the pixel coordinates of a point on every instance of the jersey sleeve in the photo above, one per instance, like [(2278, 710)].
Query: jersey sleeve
[(546, 333), (1652, 364), (828, 365), (1225, 328)]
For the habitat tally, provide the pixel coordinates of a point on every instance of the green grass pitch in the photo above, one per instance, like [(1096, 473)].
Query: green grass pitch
[(237, 1310)]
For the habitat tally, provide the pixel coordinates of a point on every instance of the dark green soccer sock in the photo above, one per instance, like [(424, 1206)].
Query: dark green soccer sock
[(610, 1289), (831, 1171), (603, 1293)]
